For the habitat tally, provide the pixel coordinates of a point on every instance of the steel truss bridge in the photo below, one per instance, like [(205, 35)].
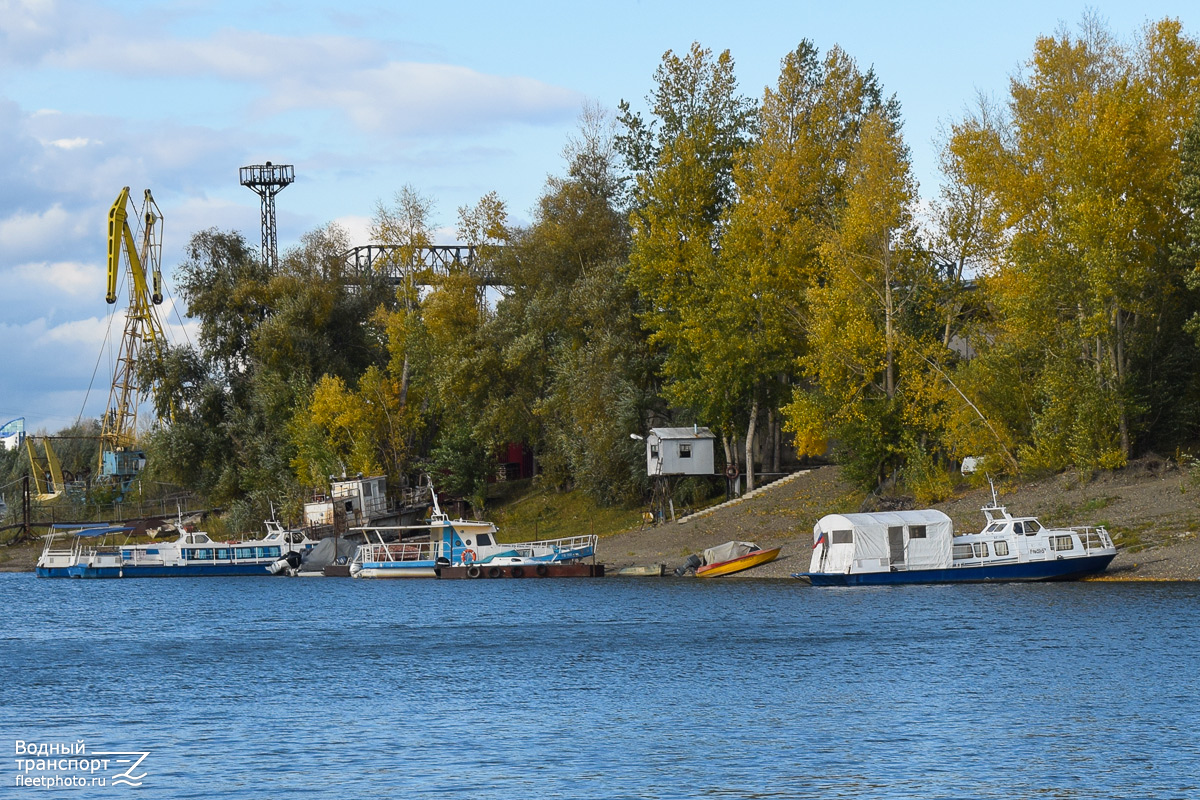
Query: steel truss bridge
[(403, 265)]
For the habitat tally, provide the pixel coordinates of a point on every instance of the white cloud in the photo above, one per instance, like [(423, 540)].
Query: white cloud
[(69, 277), (358, 229), (71, 144), (405, 98), (37, 233), (87, 334)]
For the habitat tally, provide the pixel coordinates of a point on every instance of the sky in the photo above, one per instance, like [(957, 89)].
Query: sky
[(453, 99)]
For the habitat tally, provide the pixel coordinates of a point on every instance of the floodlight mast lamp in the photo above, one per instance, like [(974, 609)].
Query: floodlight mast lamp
[(268, 180)]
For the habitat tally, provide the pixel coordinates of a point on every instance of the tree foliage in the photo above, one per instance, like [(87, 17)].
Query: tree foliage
[(744, 265)]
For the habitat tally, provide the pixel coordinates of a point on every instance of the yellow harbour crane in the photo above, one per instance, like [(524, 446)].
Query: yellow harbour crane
[(120, 459)]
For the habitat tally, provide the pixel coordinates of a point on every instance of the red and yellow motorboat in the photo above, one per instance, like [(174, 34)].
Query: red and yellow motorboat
[(716, 562)]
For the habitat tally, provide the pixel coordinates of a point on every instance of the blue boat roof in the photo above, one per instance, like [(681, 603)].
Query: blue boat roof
[(85, 530)]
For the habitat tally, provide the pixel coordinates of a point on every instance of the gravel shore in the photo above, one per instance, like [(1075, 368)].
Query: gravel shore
[(1150, 509)]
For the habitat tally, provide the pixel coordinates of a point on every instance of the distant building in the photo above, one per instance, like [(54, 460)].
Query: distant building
[(12, 435), (680, 451)]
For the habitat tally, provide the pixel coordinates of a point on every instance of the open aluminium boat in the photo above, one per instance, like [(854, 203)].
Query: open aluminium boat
[(734, 557)]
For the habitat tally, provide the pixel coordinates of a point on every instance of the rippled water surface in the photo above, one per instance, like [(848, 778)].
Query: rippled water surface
[(248, 687)]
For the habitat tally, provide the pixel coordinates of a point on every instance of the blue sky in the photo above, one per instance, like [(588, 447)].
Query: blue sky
[(454, 99)]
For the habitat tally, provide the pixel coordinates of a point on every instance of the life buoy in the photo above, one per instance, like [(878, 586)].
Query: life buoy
[(731, 471), (541, 570), (468, 556), (494, 572), (472, 572), (517, 572)]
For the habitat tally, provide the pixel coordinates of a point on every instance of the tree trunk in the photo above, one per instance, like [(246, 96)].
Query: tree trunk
[(404, 383), (773, 436), (889, 384), (750, 446)]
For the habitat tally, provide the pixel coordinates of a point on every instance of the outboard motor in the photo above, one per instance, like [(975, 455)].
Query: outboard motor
[(289, 562), (690, 565)]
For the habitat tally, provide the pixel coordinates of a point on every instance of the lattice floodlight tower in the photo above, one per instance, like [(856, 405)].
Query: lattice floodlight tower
[(268, 180)]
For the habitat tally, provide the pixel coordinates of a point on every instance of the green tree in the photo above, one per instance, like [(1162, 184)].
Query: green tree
[(791, 185), (683, 166), (1079, 185), (869, 331)]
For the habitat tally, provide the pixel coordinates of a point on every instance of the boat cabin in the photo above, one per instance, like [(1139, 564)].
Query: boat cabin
[(351, 502)]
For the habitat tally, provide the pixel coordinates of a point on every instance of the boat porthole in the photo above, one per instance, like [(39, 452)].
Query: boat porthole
[(517, 572)]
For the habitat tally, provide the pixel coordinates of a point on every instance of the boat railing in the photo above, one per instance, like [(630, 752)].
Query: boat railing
[(1093, 538), (585, 545), (396, 551)]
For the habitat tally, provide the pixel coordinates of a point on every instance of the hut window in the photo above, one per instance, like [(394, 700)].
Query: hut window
[(916, 531), (842, 537), (654, 450), (685, 451), (1001, 548)]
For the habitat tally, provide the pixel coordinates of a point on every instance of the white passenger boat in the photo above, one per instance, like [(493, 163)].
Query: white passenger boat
[(458, 543), (95, 552), (920, 547)]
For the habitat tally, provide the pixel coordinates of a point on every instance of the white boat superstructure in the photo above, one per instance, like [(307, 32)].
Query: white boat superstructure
[(95, 553), (456, 543), (920, 547)]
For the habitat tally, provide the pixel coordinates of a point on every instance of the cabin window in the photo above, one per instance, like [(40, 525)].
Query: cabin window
[(483, 539), (203, 553), (685, 451), (842, 537), (995, 527), (916, 531), (1017, 528), (222, 553), (1001, 548), (1060, 543), (244, 552), (970, 550), (1032, 526)]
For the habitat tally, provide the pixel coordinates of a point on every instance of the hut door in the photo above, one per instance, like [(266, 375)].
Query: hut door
[(896, 545)]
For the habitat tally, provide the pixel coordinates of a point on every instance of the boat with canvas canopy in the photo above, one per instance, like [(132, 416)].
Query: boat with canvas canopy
[(920, 547)]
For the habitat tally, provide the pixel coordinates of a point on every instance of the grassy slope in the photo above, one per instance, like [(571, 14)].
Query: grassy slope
[(523, 512)]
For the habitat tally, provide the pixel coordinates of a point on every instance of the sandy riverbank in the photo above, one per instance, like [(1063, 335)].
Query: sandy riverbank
[(1151, 506)]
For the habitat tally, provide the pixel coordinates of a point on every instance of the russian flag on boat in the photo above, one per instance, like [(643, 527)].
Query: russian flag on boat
[(820, 539)]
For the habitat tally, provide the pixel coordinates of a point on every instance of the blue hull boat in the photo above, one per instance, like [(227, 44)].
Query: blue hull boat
[(898, 547)]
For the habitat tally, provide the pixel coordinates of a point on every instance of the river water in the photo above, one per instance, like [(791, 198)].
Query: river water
[(614, 688)]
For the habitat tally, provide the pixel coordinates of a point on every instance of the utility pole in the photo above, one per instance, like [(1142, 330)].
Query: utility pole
[(25, 504)]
